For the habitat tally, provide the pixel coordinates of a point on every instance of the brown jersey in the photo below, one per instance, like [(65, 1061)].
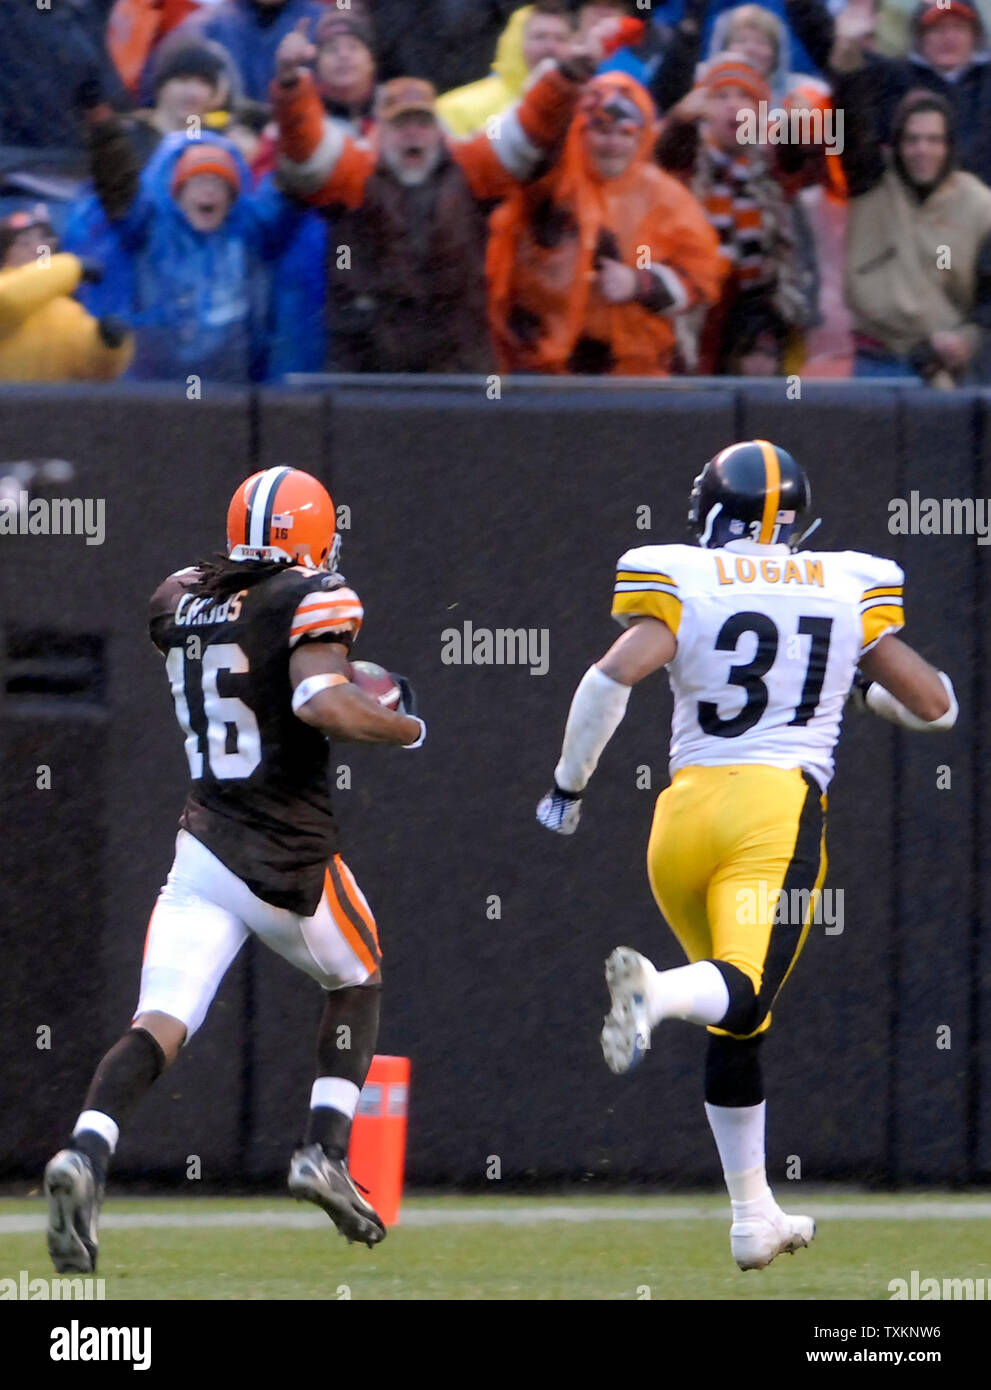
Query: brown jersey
[(260, 799)]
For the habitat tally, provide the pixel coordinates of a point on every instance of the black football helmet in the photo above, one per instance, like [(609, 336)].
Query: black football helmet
[(750, 491)]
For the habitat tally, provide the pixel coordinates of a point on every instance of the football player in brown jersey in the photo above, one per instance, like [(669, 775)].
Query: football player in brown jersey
[(256, 650)]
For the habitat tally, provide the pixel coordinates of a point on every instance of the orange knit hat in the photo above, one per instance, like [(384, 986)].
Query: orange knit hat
[(205, 159)]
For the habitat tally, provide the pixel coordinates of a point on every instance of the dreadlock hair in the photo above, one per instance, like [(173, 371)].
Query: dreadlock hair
[(220, 576)]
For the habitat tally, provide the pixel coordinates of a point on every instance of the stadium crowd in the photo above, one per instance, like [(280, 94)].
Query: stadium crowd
[(234, 190)]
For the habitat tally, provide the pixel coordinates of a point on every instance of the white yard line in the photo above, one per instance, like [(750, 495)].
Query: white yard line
[(513, 1216)]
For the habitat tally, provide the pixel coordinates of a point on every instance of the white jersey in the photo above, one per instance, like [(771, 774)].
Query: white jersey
[(768, 644)]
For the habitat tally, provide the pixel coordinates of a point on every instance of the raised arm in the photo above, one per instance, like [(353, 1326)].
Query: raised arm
[(114, 163), (814, 27), (516, 144), (318, 163), (855, 84), (676, 70)]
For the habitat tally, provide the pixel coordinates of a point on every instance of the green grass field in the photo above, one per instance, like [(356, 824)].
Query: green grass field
[(494, 1247)]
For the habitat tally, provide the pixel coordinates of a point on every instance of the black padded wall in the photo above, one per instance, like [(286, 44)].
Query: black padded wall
[(502, 514)]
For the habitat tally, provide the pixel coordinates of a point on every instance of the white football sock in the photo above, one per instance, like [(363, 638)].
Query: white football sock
[(98, 1123), (696, 993), (739, 1134), (335, 1092)]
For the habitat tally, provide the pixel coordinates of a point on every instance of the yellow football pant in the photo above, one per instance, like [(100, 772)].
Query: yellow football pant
[(736, 862)]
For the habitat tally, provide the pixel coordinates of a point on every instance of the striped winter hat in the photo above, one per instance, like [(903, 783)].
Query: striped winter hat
[(731, 70)]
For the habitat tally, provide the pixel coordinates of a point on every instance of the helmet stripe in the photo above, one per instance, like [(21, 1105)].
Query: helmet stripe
[(772, 493), (244, 537), (270, 505), (260, 511)]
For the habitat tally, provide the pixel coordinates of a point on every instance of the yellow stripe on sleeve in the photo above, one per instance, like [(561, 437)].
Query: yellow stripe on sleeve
[(877, 621), (649, 603), (643, 577)]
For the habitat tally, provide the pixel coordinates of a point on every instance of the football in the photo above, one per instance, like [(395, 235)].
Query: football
[(376, 681)]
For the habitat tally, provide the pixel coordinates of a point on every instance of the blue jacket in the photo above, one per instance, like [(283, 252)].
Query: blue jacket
[(669, 13), (243, 303), (251, 36), (88, 233)]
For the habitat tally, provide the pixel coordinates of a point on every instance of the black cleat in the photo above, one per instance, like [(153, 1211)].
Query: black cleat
[(313, 1177), (74, 1200)]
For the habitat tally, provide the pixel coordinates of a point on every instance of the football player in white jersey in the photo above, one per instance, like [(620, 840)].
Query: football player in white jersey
[(763, 646)]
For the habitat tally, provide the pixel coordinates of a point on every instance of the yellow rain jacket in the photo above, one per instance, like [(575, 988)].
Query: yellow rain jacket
[(45, 335), (466, 109)]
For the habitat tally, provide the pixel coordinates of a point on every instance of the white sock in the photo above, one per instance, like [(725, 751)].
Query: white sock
[(696, 993), (99, 1123), (335, 1092), (739, 1134)]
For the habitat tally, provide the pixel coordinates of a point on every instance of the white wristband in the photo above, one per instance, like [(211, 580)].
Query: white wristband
[(596, 713), (883, 703), (423, 732), (312, 686)]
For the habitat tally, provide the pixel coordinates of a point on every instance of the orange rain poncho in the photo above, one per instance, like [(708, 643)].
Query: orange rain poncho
[(543, 295)]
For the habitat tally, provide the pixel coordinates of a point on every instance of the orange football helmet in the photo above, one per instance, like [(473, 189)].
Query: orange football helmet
[(283, 514)]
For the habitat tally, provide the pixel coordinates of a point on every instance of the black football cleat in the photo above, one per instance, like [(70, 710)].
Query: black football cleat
[(75, 1196), (313, 1177)]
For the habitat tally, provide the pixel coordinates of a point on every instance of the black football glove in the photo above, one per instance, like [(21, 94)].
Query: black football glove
[(407, 706), (560, 811), (113, 330), (407, 701)]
